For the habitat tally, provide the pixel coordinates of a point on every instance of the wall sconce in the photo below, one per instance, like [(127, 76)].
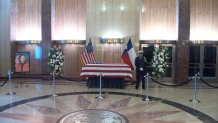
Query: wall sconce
[(145, 45), (158, 41), (156, 45), (112, 40), (29, 42), (34, 42), (70, 41), (197, 42)]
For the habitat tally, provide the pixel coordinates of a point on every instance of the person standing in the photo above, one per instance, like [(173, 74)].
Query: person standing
[(140, 63)]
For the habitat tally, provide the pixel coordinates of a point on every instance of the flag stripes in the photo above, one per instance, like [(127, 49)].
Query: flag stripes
[(88, 56)]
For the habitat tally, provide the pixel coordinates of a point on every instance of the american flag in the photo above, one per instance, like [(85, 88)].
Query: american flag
[(88, 56)]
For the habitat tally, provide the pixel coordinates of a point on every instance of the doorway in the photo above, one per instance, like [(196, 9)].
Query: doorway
[(203, 60), (148, 54)]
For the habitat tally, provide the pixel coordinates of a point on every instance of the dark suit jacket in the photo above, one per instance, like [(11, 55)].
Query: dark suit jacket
[(140, 63)]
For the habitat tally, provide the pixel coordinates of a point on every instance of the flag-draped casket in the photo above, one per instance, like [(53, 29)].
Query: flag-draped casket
[(112, 74)]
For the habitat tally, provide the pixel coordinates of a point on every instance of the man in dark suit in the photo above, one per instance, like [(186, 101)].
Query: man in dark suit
[(140, 63)]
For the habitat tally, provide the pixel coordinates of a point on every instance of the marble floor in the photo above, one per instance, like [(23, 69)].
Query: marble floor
[(76, 103)]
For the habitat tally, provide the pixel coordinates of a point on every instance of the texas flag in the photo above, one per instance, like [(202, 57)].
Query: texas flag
[(129, 55)]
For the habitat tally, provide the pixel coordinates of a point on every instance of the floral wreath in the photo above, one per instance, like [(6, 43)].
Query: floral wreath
[(56, 60), (160, 61)]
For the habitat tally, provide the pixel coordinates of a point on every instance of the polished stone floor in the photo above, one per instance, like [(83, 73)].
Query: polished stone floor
[(34, 104)]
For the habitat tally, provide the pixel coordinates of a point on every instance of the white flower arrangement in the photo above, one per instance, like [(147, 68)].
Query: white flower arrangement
[(160, 61), (56, 60)]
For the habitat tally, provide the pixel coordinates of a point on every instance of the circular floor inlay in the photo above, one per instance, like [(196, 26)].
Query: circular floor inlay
[(94, 116)]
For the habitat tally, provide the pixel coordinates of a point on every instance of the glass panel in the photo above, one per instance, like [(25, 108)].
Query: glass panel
[(193, 71), (148, 53), (194, 54), (210, 54), (209, 72), (194, 65), (209, 61), (194, 60), (170, 49), (209, 65), (169, 72)]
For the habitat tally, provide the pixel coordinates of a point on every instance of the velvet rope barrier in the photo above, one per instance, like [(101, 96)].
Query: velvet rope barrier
[(208, 83), (6, 80), (46, 77), (186, 82)]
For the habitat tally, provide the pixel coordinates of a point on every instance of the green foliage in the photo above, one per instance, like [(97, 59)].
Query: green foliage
[(160, 61), (56, 60)]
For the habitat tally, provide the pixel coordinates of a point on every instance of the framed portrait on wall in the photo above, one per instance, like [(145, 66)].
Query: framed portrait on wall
[(22, 62)]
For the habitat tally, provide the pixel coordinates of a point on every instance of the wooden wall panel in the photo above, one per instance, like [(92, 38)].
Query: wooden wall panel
[(204, 20), (5, 47), (158, 20), (72, 62), (26, 20), (112, 53), (68, 19)]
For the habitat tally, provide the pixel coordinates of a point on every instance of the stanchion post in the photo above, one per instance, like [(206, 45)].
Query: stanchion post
[(147, 76), (54, 84), (194, 100), (100, 87), (10, 84)]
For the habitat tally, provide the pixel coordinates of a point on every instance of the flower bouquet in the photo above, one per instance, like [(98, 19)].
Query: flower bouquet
[(56, 60), (160, 61)]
